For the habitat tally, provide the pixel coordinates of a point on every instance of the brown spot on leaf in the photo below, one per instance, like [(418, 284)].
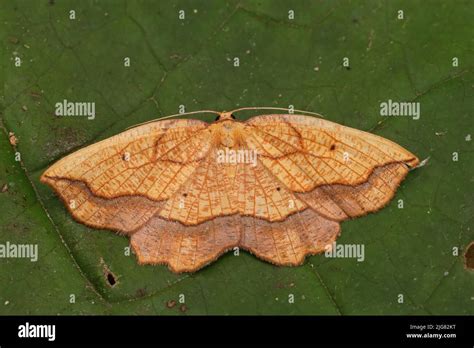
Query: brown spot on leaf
[(170, 303), (140, 292), (469, 257), (35, 94), (12, 138), (4, 188), (19, 229), (284, 285), (183, 308), (14, 40)]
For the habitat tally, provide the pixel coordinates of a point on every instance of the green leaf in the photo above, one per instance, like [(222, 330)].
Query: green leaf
[(190, 62)]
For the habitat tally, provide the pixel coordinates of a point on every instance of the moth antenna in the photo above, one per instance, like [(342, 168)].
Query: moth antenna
[(275, 108), (174, 115)]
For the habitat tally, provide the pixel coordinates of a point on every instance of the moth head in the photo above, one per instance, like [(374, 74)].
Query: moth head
[(225, 116)]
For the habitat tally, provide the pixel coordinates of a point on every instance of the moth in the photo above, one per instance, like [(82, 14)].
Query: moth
[(166, 185)]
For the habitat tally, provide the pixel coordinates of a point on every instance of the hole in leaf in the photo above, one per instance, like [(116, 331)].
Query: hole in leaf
[(278, 188), (332, 147), (185, 195), (111, 279)]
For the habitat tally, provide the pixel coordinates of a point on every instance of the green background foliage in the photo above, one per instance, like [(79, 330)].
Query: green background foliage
[(282, 62)]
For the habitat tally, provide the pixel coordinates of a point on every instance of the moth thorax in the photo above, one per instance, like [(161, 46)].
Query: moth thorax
[(229, 135)]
